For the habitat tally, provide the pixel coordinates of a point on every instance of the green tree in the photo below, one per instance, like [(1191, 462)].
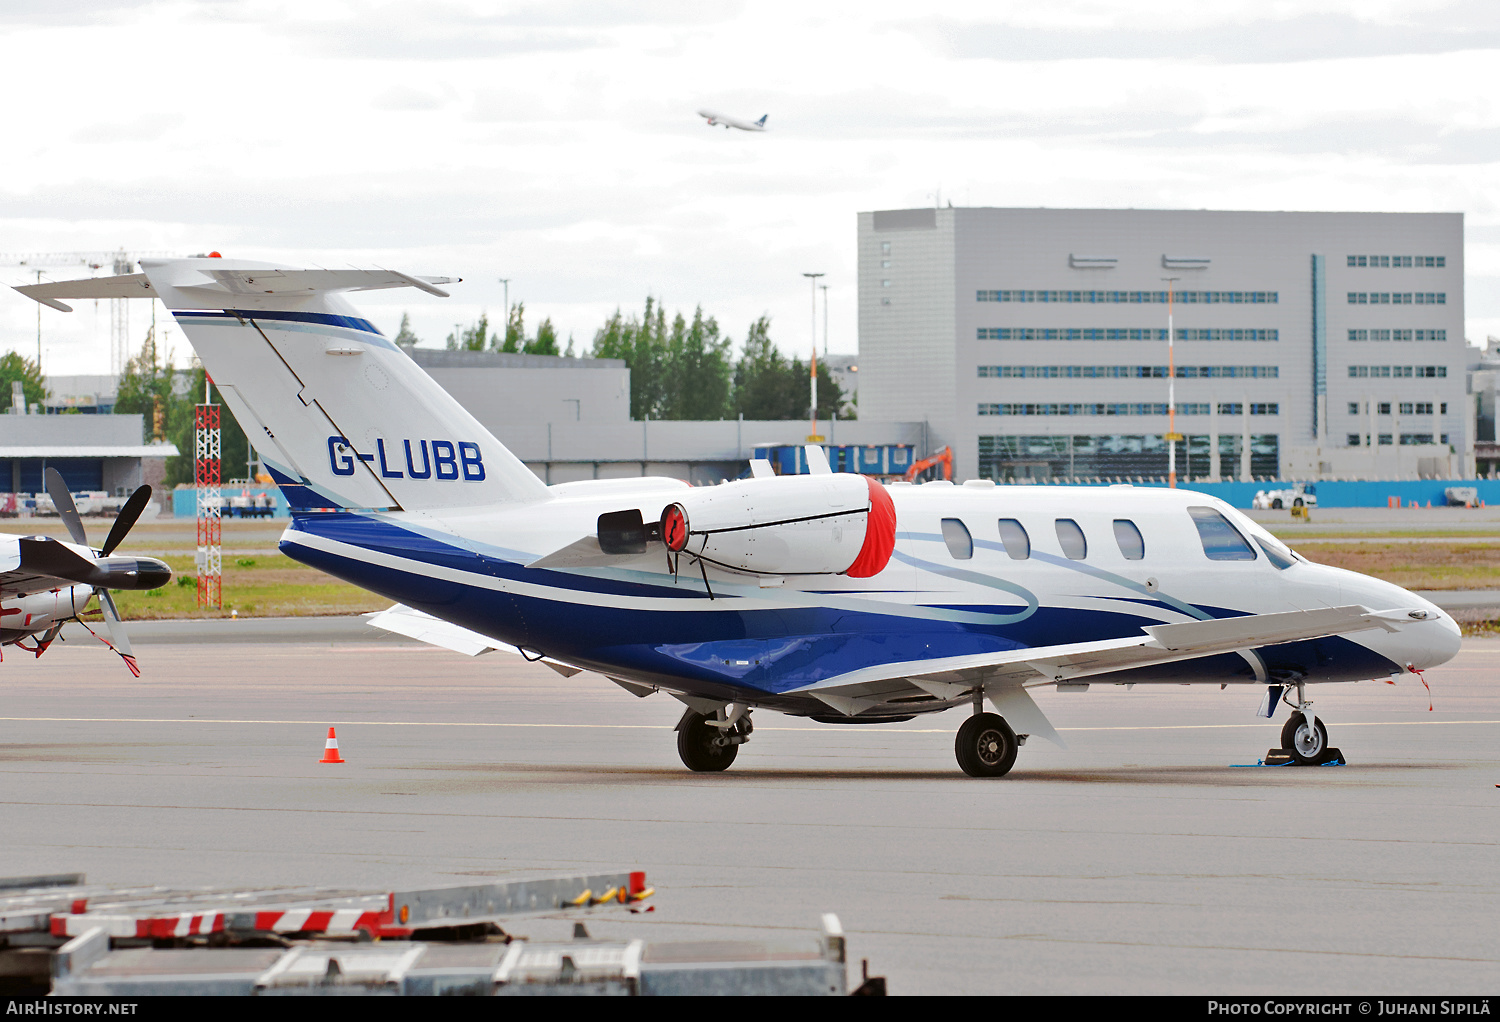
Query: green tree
[(545, 341), (515, 331), (234, 448), (15, 366), (698, 374), (767, 386), (642, 344), (404, 335), (145, 388), (764, 387), (689, 372), (476, 337)]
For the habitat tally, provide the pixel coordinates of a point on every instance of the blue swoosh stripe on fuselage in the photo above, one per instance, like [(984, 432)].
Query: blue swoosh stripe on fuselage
[(765, 651)]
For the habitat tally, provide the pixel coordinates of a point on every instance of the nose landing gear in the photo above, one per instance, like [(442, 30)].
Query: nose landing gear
[(1305, 741), (1304, 738)]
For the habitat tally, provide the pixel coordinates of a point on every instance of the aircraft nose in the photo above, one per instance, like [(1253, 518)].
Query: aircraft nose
[(1426, 636), (1442, 637)]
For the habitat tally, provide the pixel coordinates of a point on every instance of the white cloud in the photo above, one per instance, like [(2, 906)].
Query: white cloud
[(558, 144)]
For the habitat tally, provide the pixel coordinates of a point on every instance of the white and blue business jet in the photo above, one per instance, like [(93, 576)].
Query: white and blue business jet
[(827, 595)]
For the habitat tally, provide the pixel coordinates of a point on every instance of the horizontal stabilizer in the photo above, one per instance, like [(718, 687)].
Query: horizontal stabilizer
[(224, 282), (131, 285), (307, 282)]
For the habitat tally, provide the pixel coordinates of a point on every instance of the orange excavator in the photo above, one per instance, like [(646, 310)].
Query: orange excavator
[(943, 457)]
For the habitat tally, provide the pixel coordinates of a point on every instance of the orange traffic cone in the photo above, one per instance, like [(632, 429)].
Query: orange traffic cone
[(331, 749)]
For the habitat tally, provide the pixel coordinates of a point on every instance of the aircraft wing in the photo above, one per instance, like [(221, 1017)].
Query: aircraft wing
[(414, 624), (952, 677), (34, 565)]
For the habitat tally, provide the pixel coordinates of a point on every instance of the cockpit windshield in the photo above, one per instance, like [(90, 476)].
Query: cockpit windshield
[(1277, 552)]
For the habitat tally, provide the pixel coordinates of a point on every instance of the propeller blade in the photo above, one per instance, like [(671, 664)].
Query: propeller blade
[(66, 509), (127, 518), (116, 628)]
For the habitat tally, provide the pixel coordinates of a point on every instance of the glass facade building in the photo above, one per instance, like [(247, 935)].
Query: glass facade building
[(1034, 342)]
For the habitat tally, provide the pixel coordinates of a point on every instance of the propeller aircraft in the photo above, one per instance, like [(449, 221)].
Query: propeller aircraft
[(46, 582)]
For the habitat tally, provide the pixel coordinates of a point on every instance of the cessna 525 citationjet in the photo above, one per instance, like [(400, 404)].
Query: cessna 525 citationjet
[(826, 595)]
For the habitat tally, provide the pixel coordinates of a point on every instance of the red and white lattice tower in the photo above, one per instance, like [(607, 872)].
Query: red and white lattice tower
[(206, 451)]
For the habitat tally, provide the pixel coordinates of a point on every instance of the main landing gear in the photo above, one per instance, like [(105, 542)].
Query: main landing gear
[(986, 745), (708, 744)]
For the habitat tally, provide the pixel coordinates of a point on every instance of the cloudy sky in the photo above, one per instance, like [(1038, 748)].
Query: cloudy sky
[(557, 144)]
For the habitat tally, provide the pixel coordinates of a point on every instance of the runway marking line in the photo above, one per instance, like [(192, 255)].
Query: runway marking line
[(666, 727)]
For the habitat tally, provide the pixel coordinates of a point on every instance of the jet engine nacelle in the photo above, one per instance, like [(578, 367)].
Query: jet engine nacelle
[(786, 525), (39, 611)]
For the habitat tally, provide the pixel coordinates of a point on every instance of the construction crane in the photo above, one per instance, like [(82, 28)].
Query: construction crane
[(120, 263), (943, 457)]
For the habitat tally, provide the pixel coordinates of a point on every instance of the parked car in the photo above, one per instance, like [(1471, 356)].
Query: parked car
[(1298, 495)]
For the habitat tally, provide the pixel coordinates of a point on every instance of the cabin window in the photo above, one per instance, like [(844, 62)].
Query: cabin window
[(1221, 541), (1074, 546), (956, 535), (1132, 543), (1013, 537), (1277, 555)]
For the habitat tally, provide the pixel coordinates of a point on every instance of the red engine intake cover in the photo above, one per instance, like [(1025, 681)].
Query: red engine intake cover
[(880, 534), (674, 527)]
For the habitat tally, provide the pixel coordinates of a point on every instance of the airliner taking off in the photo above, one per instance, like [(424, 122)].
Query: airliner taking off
[(714, 120), (827, 595)]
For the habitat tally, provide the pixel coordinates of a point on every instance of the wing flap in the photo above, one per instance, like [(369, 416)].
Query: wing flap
[(581, 553), (415, 624)]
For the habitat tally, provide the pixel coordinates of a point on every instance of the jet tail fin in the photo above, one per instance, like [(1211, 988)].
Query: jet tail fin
[(762, 122), (342, 418)]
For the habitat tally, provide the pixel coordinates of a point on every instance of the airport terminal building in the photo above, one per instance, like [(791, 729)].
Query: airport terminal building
[(1035, 341)]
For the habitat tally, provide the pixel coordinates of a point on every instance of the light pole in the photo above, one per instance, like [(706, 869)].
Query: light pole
[(38, 331), (506, 282), (1172, 435), (813, 279), (824, 289)]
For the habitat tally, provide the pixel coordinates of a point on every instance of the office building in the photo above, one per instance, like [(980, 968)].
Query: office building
[(1034, 342)]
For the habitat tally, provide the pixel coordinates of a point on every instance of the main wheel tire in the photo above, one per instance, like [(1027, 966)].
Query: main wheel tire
[(1306, 744), (1276, 504), (696, 746), (986, 746)]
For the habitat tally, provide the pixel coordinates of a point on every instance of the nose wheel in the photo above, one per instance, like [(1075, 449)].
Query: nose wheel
[(1307, 743)]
